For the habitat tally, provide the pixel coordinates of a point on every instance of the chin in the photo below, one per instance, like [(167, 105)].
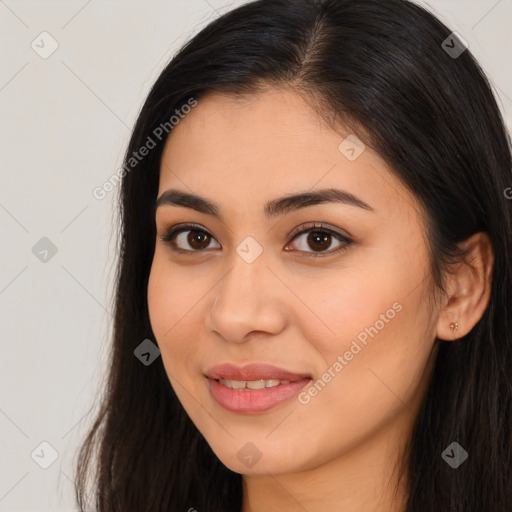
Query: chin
[(249, 460), (262, 467)]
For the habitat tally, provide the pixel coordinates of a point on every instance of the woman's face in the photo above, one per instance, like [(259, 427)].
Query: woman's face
[(246, 288)]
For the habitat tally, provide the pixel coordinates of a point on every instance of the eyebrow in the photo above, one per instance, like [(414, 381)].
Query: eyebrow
[(273, 208)]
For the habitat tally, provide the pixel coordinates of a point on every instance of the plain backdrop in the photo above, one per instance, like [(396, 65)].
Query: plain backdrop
[(65, 122)]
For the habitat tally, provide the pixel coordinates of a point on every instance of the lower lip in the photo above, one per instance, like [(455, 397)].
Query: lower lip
[(257, 400)]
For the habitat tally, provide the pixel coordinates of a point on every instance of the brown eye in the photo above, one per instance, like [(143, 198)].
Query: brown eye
[(318, 242), (188, 239), (198, 239)]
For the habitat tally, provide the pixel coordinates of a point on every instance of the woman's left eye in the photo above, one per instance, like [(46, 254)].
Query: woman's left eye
[(320, 238)]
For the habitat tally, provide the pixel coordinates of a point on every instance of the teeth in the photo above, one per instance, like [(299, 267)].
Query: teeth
[(255, 384), (252, 384), (236, 384)]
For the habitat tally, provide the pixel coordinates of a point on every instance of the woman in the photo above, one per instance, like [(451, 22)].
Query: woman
[(314, 283)]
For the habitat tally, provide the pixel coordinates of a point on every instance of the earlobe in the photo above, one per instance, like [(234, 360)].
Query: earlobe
[(469, 290)]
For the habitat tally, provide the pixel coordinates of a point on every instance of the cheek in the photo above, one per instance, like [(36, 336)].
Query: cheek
[(346, 307), (375, 361), (171, 305), (374, 338)]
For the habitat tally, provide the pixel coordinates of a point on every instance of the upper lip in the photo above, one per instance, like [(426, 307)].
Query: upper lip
[(253, 371)]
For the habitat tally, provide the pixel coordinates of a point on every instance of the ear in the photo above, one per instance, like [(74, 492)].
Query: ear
[(468, 290)]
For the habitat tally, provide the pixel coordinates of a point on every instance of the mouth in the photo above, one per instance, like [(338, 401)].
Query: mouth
[(253, 388)]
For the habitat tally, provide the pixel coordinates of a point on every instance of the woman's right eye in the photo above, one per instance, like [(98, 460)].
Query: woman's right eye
[(196, 238)]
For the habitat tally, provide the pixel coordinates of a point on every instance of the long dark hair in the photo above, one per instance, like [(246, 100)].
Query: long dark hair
[(381, 69)]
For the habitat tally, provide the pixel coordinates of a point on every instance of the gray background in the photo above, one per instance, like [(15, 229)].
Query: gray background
[(65, 123)]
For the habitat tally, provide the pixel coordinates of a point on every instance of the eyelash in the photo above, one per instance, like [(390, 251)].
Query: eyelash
[(175, 230)]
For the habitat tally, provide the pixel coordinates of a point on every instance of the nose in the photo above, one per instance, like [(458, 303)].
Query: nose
[(249, 298)]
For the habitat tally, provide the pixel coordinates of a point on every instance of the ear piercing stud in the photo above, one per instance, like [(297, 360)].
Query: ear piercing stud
[(453, 326)]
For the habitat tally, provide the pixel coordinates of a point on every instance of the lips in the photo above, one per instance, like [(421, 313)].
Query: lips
[(253, 371), (239, 389)]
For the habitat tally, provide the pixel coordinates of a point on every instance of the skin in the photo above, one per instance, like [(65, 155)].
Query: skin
[(297, 311)]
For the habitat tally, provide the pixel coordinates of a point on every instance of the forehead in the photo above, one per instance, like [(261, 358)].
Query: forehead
[(266, 145), (274, 126)]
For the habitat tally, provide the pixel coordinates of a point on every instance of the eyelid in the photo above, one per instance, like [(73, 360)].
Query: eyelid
[(184, 226), (309, 226)]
